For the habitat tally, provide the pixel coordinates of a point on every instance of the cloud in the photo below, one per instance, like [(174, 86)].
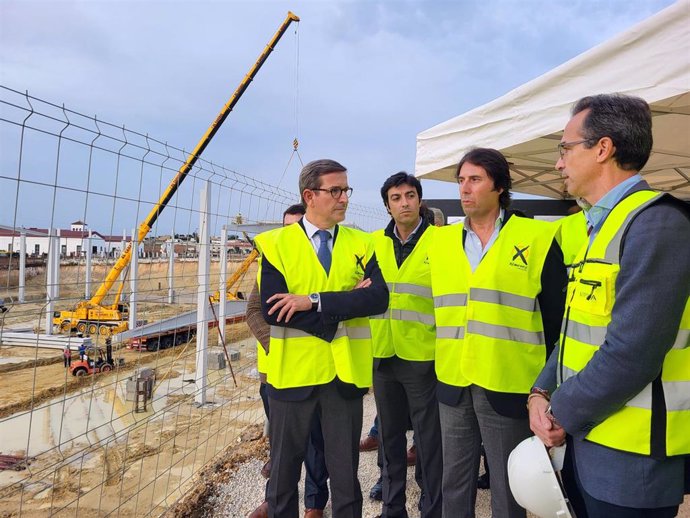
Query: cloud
[(371, 74)]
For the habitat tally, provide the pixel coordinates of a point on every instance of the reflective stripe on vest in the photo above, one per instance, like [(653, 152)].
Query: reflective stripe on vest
[(405, 315), (503, 298), (407, 328), (591, 298), (298, 359), (450, 300), (409, 289), (485, 334), (356, 332)]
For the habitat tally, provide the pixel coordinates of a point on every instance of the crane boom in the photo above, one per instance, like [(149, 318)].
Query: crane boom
[(90, 314), (148, 223)]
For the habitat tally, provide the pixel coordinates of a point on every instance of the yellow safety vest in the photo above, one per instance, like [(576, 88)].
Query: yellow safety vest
[(296, 358), (572, 235), (407, 329), (261, 357), (489, 329), (592, 296)]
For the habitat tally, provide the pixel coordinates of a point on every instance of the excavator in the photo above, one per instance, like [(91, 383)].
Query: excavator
[(94, 316)]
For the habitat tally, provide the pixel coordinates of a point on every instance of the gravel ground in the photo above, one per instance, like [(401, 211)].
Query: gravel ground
[(245, 489)]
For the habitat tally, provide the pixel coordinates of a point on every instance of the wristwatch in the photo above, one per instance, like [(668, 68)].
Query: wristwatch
[(315, 298)]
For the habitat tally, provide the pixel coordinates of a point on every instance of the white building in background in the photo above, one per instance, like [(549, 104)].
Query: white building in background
[(235, 246), (73, 241)]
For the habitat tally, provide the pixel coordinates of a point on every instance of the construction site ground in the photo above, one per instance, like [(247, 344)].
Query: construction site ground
[(116, 465)]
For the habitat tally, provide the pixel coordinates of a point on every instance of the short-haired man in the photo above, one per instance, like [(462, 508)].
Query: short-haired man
[(320, 362), (619, 381), (497, 283), (404, 340), (316, 474)]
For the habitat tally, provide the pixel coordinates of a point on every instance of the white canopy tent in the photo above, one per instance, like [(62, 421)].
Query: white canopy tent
[(651, 60)]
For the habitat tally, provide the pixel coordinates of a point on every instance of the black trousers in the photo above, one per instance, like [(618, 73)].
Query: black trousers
[(316, 479), (404, 387), (290, 426)]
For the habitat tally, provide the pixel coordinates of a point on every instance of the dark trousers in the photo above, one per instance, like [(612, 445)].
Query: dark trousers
[(264, 399), (463, 428), (290, 426), (316, 479), (67, 360), (586, 506), (403, 388)]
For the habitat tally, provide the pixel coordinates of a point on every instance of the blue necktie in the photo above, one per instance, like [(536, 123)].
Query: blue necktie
[(324, 253)]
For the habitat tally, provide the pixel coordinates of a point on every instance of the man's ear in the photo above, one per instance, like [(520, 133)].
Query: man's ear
[(308, 197), (605, 149)]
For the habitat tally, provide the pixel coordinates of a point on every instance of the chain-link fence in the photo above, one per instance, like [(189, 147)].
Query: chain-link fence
[(105, 407)]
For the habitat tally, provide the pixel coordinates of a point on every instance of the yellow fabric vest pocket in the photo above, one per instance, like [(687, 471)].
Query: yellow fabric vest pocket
[(594, 288)]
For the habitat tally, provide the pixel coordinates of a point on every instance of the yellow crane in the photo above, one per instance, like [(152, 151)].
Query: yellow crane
[(92, 316), (231, 291)]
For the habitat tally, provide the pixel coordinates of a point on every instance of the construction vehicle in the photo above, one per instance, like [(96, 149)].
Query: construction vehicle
[(242, 269), (163, 339), (102, 320), (95, 361), (93, 315)]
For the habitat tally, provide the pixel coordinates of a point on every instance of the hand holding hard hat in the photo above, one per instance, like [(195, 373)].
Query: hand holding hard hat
[(543, 424), (533, 480)]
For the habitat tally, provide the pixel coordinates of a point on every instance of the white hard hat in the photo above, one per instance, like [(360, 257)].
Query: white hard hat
[(533, 480)]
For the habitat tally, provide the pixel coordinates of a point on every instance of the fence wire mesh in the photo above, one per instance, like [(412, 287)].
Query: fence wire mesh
[(125, 432)]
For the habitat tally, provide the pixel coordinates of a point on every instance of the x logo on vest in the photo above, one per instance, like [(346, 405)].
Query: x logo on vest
[(359, 260), (324, 253), (521, 253)]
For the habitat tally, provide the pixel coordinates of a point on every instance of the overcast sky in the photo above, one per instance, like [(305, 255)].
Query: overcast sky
[(371, 75)]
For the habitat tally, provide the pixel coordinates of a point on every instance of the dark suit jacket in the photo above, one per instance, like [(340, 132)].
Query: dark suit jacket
[(335, 308), (551, 302), (651, 291)]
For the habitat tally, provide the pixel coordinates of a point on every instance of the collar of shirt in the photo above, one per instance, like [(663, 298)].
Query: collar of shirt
[(395, 232), (473, 245), (311, 230), (598, 213)]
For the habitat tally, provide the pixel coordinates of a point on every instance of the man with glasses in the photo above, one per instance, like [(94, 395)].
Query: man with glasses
[(617, 387), (319, 282), (316, 474), (497, 283)]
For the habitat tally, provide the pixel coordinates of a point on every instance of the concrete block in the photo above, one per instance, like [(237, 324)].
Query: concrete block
[(216, 359)]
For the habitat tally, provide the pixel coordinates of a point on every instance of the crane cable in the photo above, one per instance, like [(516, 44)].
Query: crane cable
[(295, 142)]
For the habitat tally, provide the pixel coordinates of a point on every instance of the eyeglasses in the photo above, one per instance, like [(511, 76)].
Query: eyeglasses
[(336, 192), (563, 147)]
